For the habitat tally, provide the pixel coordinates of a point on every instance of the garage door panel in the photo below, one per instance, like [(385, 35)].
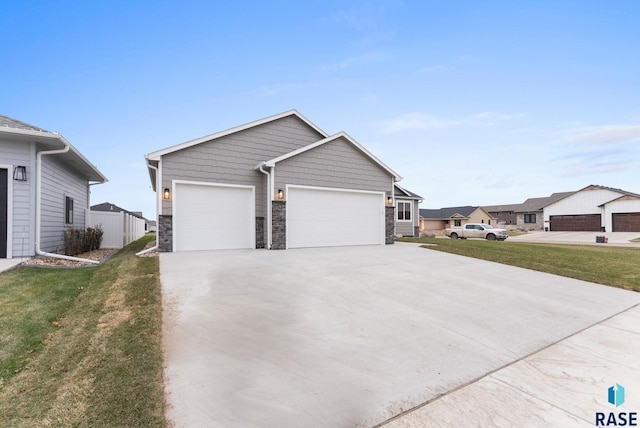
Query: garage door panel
[(576, 223), (323, 217), (213, 217), (626, 222)]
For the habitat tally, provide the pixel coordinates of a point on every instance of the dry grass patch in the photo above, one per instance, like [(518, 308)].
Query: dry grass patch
[(102, 366)]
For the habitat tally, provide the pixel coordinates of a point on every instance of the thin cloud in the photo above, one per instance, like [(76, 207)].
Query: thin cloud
[(425, 121), (608, 135), (355, 61)]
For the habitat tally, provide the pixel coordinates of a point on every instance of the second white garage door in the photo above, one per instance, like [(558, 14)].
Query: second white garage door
[(213, 217), (321, 217)]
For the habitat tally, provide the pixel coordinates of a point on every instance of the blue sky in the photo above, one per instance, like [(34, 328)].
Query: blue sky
[(473, 103)]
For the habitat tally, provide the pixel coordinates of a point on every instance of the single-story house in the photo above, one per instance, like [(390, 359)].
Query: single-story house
[(595, 208), (407, 212), (278, 183), (439, 219), (527, 215), (44, 189)]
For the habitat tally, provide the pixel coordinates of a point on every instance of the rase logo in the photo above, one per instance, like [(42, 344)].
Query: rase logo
[(615, 396)]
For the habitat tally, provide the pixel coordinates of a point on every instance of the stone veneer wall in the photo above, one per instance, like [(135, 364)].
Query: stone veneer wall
[(165, 233), (538, 225), (259, 232), (389, 229), (279, 225)]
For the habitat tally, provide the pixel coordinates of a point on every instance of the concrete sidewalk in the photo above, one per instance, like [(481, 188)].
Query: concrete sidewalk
[(8, 264), (579, 238), (354, 336), (564, 385)]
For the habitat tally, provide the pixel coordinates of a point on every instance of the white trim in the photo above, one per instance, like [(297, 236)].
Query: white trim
[(157, 154), (336, 189), (326, 140), (9, 169), (398, 202), (202, 183)]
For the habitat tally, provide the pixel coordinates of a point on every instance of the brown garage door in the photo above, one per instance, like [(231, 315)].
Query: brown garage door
[(575, 223), (626, 222)]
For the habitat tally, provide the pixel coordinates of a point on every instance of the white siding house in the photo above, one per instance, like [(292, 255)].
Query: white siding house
[(590, 209), (52, 195)]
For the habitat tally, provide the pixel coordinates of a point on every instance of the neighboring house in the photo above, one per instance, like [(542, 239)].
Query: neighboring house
[(280, 182), (595, 208), (44, 189), (434, 220), (527, 215), (407, 212)]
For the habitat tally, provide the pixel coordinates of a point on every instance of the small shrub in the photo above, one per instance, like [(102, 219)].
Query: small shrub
[(78, 241)]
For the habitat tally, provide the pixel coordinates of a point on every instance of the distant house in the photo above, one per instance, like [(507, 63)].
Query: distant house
[(407, 212), (439, 219), (527, 215), (44, 189), (595, 208)]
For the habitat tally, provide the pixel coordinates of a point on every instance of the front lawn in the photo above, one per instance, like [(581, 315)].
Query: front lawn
[(614, 266), (82, 347)]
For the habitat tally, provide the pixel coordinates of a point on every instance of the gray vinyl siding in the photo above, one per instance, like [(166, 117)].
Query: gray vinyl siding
[(57, 183), (23, 201), (232, 159), (335, 164)]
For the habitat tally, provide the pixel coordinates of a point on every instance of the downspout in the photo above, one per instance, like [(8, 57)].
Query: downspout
[(39, 206), (269, 238), (155, 247)]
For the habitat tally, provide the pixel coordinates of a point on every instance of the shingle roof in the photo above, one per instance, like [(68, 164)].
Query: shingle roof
[(531, 204), (446, 213), (109, 207), (401, 192), (8, 122)]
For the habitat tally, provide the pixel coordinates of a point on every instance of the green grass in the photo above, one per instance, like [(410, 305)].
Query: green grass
[(101, 363), (614, 266)]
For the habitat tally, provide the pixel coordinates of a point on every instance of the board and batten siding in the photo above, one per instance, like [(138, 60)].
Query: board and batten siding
[(13, 153), (337, 164), (232, 159), (586, 201), (58, 182)]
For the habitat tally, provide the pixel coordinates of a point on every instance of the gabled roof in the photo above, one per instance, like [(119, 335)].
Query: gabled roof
[(447, 213), (157, 154), (400, 192), (595, 187), (22, 131), (346, 137)]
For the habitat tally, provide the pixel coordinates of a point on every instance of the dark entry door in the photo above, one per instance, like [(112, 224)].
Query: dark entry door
[(3, 212)]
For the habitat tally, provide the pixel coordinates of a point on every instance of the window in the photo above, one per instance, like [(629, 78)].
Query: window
[(68, 210), (529, 218), (457, 223), (404, 211)]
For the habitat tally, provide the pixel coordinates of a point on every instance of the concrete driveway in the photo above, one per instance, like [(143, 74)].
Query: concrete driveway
[(352, 336)]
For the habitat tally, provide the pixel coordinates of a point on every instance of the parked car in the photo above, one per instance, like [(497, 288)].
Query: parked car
[(477, 230)]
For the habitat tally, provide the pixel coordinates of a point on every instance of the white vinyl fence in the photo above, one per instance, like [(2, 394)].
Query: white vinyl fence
[(119, 229)]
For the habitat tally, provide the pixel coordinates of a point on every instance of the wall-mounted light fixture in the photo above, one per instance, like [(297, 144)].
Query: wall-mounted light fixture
[(166, 195), (20, 173), (389, 200), (280, 195)]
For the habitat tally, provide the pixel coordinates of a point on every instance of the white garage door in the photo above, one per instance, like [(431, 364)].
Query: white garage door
[(213, 217), (320, 217)]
